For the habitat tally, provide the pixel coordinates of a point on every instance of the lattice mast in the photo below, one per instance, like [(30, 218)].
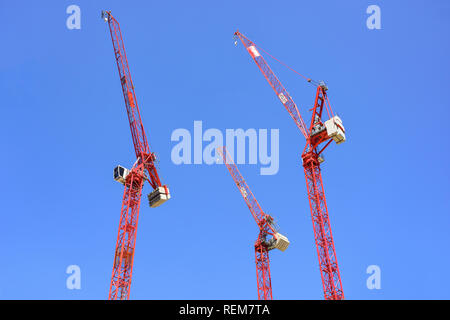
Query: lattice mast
[(268, 238), (319, 133), (144, 169)]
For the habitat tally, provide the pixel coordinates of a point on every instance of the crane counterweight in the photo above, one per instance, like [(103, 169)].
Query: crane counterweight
[(278, 241), (335, 129), (158, 196)]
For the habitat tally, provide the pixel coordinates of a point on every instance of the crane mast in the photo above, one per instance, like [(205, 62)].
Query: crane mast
[(144, 169), (266, 227), (319, 132)]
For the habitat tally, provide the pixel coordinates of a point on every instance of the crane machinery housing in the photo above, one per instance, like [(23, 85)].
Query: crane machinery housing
[(144, 169), (318, 137), (267, 227)]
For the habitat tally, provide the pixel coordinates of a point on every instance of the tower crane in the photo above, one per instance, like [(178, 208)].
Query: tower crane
[(318, 137), (144, 169), (267, 228)]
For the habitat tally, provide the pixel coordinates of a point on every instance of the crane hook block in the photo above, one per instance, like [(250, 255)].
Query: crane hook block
[(158, 196)]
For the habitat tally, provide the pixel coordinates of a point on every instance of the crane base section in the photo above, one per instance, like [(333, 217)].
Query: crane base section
[(158, 196), (279, 242), (335, 129)]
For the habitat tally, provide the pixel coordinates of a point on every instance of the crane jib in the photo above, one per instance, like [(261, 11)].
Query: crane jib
[(276, 85)]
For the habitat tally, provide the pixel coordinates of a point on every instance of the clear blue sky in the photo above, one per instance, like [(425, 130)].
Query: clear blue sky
[(64, 129)]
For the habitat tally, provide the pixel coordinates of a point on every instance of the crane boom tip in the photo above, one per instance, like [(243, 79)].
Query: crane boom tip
[(105, 15)]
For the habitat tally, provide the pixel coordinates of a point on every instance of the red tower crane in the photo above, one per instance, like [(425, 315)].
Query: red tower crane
[(266, 225), (144, 169), (318, 137)]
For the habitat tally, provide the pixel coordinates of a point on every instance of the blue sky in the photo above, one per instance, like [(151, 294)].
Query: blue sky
[(64, 129)]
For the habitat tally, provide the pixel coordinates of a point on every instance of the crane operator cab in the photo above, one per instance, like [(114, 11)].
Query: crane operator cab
[(120, 174), (158, 196), (335, 129)]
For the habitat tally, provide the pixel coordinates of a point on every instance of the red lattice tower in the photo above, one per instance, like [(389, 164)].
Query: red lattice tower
[(266, 225), (144, 169)]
